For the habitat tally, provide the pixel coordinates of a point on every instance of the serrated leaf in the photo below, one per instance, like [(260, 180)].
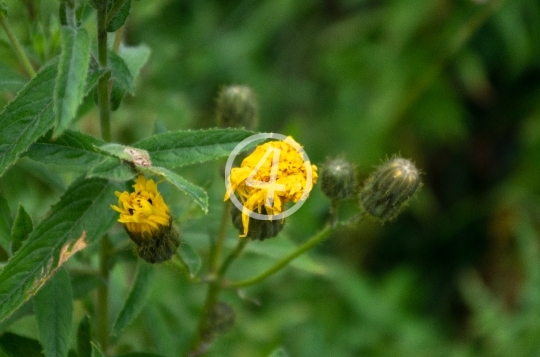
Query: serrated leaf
[(6, 221), (96, 352), (27, 117), (84, 348), (181, 148), (10, 80), (135, 58), (72, 72), (198, 194), (18, 346), (137, 296), (81, 216), (73, 150), (190, 258), (111, 169), (53, 306), (120, 17), (22, 227)]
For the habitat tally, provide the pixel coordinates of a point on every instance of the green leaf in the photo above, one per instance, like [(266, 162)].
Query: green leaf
[(27, 117), (84, 348), (72, 72), (83, 283), (190, 258), (73, 150), (120, 17), (181, 148), (135, 58), (53, 306), (5, 224), (22, 227), (82, 215), (121, 78), (198, 194), (140, 354), (10, 80), (137, 296), (17, 346), (111, 169), (96, 352)]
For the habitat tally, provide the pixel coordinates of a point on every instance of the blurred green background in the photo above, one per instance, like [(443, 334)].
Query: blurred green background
[(453, 85)]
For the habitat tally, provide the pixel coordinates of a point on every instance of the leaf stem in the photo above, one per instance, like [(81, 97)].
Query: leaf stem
[(220, 241), (103, 294), (15, 44)]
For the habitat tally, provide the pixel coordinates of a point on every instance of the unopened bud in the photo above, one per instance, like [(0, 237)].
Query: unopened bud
[(338, 179), (387, 190), (257, 229), (237, 107), (157, 247)]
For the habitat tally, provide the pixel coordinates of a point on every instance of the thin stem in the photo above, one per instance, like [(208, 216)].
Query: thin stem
[(220, 241), (234, 254), (104, 118), (333, 218), (322, 235), (118, 39), (103, 294), (17, 48), (103, 84), (114, 9)]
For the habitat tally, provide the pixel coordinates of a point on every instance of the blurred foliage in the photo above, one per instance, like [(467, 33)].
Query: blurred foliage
[(453, 85)]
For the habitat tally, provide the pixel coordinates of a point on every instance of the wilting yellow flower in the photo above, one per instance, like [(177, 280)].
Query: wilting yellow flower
[(143, 212), (264, 180)]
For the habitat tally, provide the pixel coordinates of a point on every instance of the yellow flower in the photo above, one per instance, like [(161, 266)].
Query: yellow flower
[(143, 212), (263, 180)]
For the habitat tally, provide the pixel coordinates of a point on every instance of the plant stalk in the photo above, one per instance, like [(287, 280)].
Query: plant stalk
[(17, 48), (114, 9)]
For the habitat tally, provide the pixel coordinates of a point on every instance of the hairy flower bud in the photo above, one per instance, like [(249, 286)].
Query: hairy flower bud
[(157, 247), (237, 107), (257, 229), (338, 179), (387, 190)]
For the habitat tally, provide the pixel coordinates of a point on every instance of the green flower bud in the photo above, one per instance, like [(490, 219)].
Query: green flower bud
[(158, 247), (237, 107), (387, 190), (257, 229), (338, 179)]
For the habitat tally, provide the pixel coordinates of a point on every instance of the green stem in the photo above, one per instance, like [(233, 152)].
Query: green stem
[(103, 294), (104, 118), (215, 255), (204, 334), (318, 238), (114, 9), (15, 44), (103, 84)]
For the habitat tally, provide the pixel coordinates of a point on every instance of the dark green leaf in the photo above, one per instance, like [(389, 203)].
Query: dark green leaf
[(17, 346), (72, 72), (10, 81), (137, 296), (94, 74), (84, 348), (27, 117), (96, 352), (22, 227), (190, 257), (181, 148), (73, 150), (112, 169), (198, 194), (122, 79), (82, 215), (53, 306), (5, 224), (120, 17)]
